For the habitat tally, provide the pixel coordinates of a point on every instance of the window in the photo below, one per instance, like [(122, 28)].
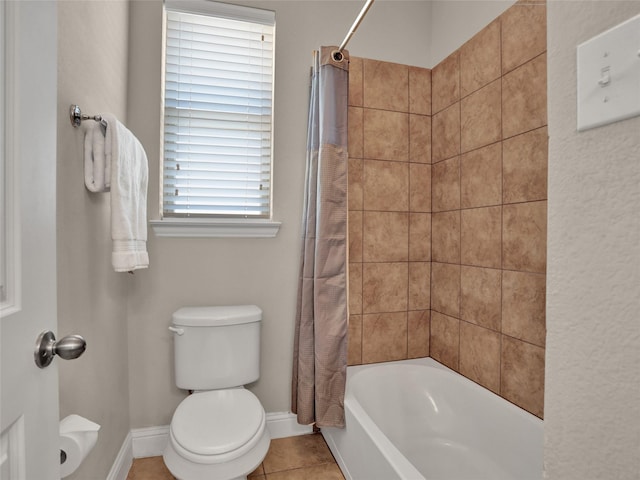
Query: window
[(218, 104)]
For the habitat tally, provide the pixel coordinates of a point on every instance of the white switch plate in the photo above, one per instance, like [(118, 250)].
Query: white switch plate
[(609, 76)]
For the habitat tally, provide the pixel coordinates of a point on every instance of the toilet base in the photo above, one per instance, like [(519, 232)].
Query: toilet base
[(236, 469)]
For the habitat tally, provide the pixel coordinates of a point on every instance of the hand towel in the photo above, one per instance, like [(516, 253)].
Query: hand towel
[(129, 180), (97, 172)]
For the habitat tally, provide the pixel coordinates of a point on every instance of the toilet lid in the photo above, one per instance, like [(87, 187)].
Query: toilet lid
[(217, 422)]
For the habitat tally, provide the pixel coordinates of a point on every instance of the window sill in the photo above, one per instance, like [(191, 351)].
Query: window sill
[(229, 228)]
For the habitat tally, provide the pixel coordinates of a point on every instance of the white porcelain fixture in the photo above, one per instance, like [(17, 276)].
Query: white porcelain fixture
[(219, 431), (418, 420)]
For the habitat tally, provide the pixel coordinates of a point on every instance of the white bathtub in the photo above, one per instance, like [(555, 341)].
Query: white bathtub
[(417, 419)]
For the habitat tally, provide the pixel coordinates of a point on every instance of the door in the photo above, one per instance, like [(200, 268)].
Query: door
[(29, 412)]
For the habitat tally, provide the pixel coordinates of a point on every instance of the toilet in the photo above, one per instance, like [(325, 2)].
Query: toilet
[(219, 431)]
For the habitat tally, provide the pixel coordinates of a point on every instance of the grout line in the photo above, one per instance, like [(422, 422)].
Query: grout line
[(431, 113), (504, 73), (523, 341), (502, 209), (360, 359), (489, 82), (408, 213), (459, 211)]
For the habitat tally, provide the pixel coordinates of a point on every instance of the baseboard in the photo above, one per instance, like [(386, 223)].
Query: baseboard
[(150, 441), (285, 424), (124, 459)]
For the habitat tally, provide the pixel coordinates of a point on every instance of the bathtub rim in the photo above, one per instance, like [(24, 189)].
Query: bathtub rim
[(394, 458), (353, 370)]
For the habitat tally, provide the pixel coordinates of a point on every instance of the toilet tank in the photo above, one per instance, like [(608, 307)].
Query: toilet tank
[(216, 347)]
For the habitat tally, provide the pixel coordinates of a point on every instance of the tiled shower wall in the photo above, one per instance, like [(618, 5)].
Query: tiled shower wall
[(389, 211), (465, 189), (489, 192)]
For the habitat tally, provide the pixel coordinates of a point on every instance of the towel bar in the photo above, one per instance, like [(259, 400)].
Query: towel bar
[(76, 116)]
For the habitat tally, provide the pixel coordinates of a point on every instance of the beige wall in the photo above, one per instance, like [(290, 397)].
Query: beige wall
[(389, 211), (92, 299), (592, 412), (457, 21), (229, 271)]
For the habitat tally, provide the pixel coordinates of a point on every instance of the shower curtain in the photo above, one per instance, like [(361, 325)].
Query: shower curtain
[(320, 347)]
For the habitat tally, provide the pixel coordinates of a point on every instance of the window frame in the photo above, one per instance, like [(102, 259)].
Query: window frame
[(214, 226)]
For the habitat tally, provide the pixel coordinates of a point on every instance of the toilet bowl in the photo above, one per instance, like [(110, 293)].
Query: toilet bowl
[(216, 433)]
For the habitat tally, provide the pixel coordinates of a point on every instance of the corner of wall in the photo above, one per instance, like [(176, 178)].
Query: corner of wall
[(91, 296)]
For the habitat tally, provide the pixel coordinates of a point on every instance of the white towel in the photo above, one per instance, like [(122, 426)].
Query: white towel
[(129, 180), (97, 171)]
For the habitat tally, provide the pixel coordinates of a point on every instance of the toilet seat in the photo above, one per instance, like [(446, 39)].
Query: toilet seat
[(217, 426)]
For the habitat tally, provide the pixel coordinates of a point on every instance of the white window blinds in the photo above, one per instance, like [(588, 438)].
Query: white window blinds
[(218, 103)]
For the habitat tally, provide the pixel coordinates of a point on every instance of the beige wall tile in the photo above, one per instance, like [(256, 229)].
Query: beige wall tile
[(485, 236), (355, 135), (385, 237), (445, 185), (418, 330), (445, 340), (480, 243), (386, 85), (354, 343), (355, 288), (481, 177), (524, 97), (480, 296), (481, 117), (525, 166), (386, 135), (356, 81), (480, 355), (445, 83), (524, 237), (445, 237), (419, 187), (420, 237), (419, 285), (480, 59), (355, 236), (523, 306), (522, 376), (384, 337), (385, 287), (420, 90), (445, 133), (445, 291), (386, 193), (355, 184), (386, 186), (524, 33), (419, 138)]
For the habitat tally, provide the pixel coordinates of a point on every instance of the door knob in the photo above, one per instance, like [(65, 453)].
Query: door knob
[(69, 347)]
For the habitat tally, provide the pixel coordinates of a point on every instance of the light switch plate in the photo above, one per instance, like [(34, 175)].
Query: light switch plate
[(609, 76)]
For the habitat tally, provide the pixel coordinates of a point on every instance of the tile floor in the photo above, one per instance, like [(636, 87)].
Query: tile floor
[(304, 457)]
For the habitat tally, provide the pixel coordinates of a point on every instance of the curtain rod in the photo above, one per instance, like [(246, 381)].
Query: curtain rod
[(355, 25)]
